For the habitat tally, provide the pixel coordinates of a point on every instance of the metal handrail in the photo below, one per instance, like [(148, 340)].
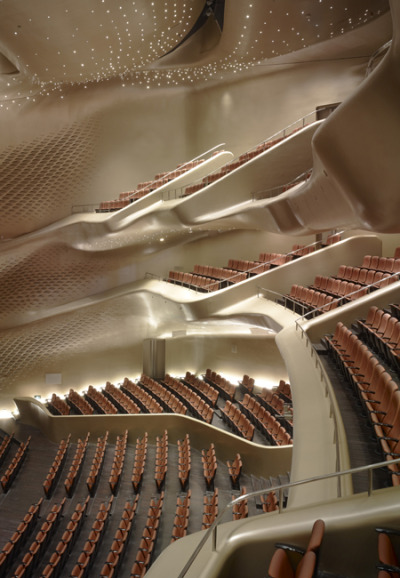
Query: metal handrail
[(75, 208), (377, 54), (273, 192), (284, 132), (279, 488), (252, 269)]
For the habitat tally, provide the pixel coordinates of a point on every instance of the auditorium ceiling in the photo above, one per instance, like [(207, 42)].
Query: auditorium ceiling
[(47, 44)]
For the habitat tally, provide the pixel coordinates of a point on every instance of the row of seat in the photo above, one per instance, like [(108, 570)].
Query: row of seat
[(79, 404), (124, 403), (237, 420), (235, 469), (11, 472), (118, 461), (99, 401), (33, 556), (140, 462), (232, 165), (164, 396), (191, 280), (18, 538), (220, 273), (252, 267), (365, 276), (146, 187), (348, 284), (374, 387), (90, 548), (212, 278), (204, 389), (210, 509), (272, 402), (381, 331), (240, 510), (161, 462), (210, 465), (278, 400), (345, 288), (184, 461), (388, 559), (120, 541), (97, 464), (272, 427), (5, 446), (196, 405), (247, 384), (305, 300), (56, 467), (58, 406), (146, 402), (226, 389), (275, 259), (149, 537), (58, 558), (76, 466), (181, 518)]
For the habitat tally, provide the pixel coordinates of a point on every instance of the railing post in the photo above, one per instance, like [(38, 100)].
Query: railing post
[(370, 481), (280, 500), (214, 539)]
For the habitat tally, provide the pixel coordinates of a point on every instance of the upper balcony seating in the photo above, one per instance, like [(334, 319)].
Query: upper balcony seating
[(209, 278), (146, 402), (272, 425), (124, 403), (210, 508), (226, 389), (167, 400), (118, 462), (374, 387), (58, 406), (204, 389), (237, 420), (348, 284), (79, 404), (161, 463), (99, 401), (235, 164), (144, 188), (196, 405)]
